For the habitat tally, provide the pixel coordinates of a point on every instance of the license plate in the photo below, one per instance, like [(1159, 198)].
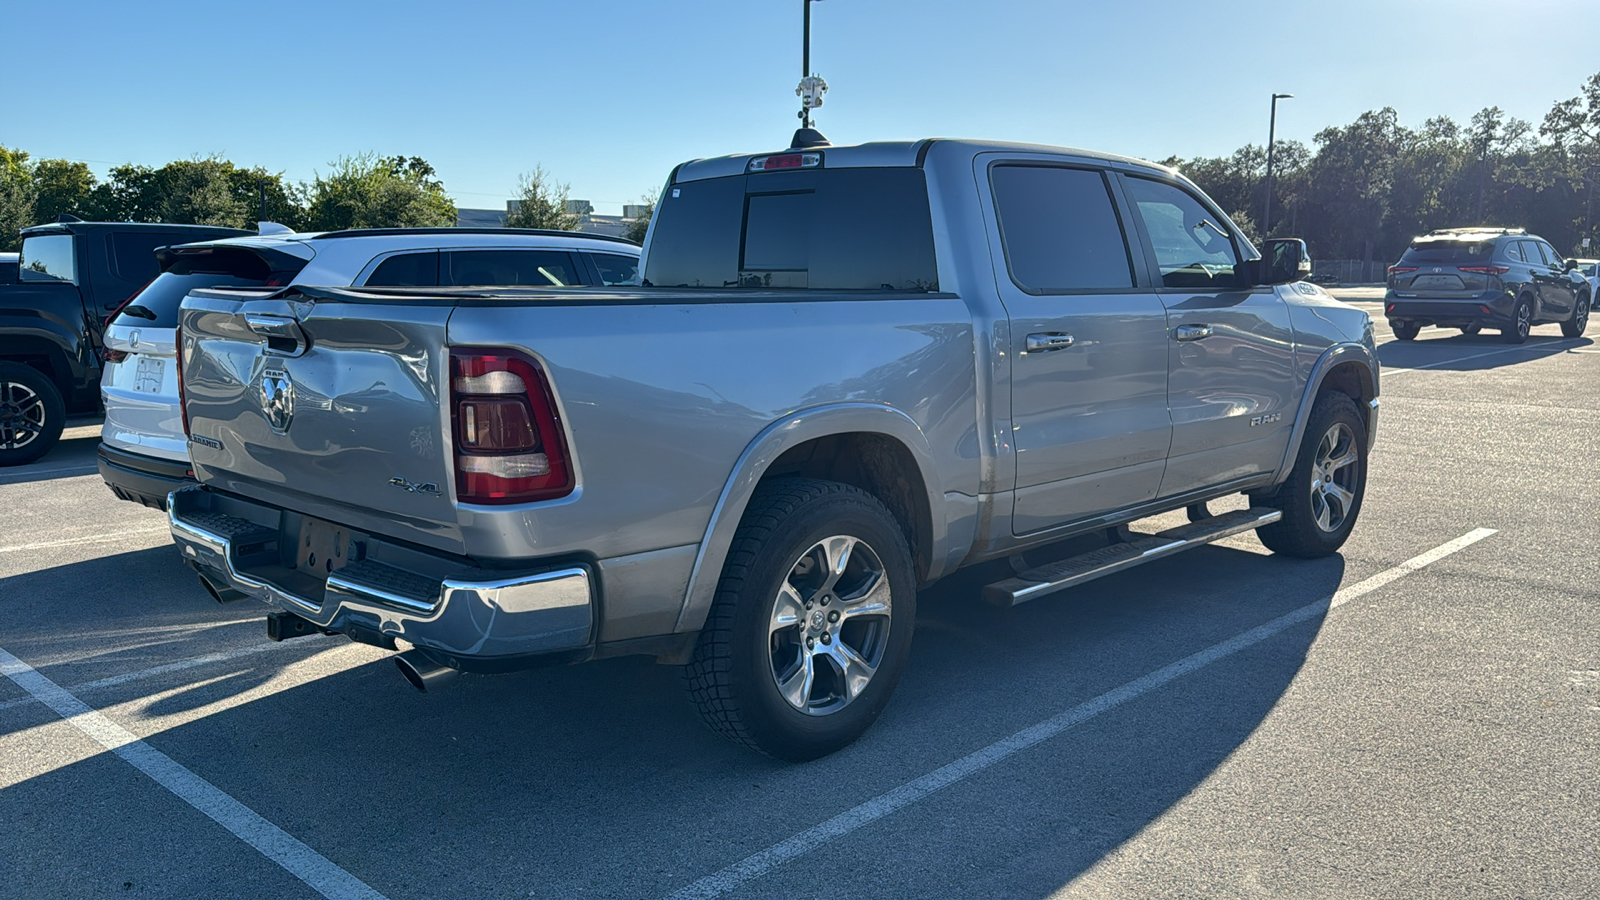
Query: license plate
[(147, 377), (1437, 282), (323, 547)]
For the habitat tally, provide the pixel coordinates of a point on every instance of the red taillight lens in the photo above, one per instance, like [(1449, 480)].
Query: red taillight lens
[(508, 440), (1396, 270), (113, 356), (784, 161), (1485, 270), (183, 400)]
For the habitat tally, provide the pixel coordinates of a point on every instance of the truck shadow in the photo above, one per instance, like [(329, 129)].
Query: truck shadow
[(1470, 353), (69, 458), (605, 783)]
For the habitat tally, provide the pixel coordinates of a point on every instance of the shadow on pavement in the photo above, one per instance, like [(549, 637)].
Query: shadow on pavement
[(1463, 351), (69, 458), (599, 779)]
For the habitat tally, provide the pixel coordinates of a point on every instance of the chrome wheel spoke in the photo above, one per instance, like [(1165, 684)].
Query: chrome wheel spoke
[(873, 601), (836, 554), (796, 688), (789, 611), (1342, 460), (1344, 495), (1319, 509), (854, 672)]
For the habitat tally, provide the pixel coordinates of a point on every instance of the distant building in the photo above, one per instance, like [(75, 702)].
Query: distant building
[(588, 220)]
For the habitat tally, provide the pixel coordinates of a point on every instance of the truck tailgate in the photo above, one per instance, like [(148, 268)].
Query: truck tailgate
[(339, 410)]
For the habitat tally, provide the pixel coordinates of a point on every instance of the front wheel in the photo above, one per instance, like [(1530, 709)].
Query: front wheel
[(1575, 326), (1407, 331), (811, 624), (31, 414), (1322, 496)]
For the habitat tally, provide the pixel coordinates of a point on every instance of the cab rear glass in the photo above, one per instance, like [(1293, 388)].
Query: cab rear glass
[(857, 229)]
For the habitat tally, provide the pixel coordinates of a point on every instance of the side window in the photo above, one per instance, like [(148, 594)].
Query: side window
[(1059, 229), (1192, 248), (1514, 251), (133, 254), (524, 268), (1552, 257), (407, 270), (48, 257), (1530, 252), (616, 270)]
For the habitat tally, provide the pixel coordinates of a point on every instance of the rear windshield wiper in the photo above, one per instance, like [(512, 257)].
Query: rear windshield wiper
[(139, 312)]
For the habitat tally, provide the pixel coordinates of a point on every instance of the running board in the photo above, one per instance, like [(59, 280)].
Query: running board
[(1075, 570)]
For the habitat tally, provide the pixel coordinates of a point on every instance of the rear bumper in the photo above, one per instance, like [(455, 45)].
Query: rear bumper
[(142, 479), (465, 617), (1491, 308)]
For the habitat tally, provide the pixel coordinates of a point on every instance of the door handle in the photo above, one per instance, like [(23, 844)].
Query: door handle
[(1193, 332), (1049, 340), (284, 336)]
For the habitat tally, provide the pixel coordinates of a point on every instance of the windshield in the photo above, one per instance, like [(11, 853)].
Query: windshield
[(824, 229)]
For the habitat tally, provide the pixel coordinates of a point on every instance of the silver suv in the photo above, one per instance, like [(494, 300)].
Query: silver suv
[(143, 452)]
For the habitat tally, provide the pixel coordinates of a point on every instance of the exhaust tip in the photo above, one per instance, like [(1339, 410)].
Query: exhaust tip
[(219, 593), (423, 673)]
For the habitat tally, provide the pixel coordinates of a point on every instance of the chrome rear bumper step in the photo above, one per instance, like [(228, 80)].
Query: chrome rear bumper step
[(1076, 570)]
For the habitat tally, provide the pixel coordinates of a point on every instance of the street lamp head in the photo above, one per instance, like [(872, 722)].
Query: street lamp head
[(1281, 96)]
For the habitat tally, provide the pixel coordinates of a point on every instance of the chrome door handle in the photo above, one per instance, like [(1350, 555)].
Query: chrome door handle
[(1049, 340), (1193, 332), (284, 335)]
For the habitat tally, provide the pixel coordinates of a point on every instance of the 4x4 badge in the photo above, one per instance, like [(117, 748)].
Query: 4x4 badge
[(277, 399)]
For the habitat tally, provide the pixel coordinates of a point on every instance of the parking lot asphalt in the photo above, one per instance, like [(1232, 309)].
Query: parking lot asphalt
[(1416, 716)]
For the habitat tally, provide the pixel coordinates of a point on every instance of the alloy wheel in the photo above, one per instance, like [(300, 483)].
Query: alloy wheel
[(829, 626), (1333, 477), (22, 415)]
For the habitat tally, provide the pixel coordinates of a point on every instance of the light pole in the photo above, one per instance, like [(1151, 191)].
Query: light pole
[(1272, 131), (811, 88)]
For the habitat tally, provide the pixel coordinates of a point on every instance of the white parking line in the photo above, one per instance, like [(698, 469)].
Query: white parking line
[(153, 672), (273, 842), (92, 539), (759, 864)]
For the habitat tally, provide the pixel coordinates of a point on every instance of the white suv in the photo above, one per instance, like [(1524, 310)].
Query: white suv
[(143, 452)]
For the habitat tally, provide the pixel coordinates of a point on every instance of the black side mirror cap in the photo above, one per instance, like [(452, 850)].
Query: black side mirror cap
[(1283, 260)]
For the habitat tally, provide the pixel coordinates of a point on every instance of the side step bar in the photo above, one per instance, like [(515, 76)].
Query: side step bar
[(1075, 570)]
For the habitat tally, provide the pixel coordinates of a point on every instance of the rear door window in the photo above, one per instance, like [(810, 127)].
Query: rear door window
[(157, 306), (508, 268), (49, 257), (407, 270), (1192, 248), (1060, 229), (133, 254), (616, 269), (1513, 251)]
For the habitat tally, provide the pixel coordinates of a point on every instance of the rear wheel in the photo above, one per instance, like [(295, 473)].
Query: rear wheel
[(1406, 331), (31, 414), (1575, 326), (1322, 496), (811, 624), (1521, 322)]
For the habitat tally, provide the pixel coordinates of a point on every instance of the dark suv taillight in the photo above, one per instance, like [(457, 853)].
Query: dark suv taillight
[(183, 399), (508, 442)]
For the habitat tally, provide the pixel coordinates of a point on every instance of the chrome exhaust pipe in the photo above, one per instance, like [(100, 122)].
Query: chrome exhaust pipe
[(219, 593), (423, 673)]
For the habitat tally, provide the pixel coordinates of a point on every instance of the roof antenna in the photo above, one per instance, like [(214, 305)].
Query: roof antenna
[(810, 92)]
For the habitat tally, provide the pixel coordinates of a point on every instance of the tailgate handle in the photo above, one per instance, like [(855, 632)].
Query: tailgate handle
[(1193, 332), (284, 335)]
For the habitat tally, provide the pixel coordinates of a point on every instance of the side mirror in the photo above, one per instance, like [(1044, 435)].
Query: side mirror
[(1284, 260), (1571, 264)]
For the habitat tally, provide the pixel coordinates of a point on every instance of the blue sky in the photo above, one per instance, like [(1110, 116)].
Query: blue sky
[(608, 96)]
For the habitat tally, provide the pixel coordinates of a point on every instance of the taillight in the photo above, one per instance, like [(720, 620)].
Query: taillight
[(1397, 270), (508, 442), (113, 356), (183, 400), (1485, 270), (784, 161)]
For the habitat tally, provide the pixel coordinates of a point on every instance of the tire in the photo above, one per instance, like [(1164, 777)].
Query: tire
[(1406, 331), (1316, 520), (748, 678), (31, 414), (1521, 322), (1574, 326), (1472, 329)]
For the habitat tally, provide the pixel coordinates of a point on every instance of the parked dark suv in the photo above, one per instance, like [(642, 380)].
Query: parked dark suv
[(1473, 278)]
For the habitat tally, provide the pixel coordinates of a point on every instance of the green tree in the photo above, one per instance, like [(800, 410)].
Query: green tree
[(368, 191), (62, 187), (640, 226), (17, 196), (541, 203)]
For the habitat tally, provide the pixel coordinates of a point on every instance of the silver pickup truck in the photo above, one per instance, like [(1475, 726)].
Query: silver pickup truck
[(848, 372)]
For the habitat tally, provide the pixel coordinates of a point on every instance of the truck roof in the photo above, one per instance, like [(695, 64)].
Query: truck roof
[(877, 154), (80, 227)]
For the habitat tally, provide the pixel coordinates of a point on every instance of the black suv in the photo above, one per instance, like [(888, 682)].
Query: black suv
[(1471, 278)]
